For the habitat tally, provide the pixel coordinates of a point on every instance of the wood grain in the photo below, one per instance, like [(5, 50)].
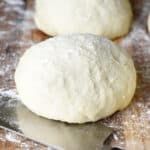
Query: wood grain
[(132, 125), (10, 140)]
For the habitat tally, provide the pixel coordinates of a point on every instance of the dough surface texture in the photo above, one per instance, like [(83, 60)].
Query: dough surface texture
[(76, 78), (110, 18)]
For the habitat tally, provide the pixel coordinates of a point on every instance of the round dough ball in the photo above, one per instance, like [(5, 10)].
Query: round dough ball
[(110, 18), (75, 78)]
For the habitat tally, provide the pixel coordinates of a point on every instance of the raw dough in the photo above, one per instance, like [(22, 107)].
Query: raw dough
[(110, 18), (76, 78)]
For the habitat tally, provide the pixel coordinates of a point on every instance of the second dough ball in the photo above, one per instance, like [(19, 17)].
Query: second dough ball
[(110, 18)]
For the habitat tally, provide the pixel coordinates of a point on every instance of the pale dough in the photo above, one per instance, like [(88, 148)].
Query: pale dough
[(110, 18), (76, 78)]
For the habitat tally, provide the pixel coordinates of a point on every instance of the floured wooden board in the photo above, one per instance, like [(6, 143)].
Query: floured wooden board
[(10, 140), (18, 32)]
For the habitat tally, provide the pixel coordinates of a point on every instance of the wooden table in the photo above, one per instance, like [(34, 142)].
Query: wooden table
[(10, 140), (132, 125)]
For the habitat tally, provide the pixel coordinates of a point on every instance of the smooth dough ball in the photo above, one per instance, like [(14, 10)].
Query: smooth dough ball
[(76, 78), (110, 18)]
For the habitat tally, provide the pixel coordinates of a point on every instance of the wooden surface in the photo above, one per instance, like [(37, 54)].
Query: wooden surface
[(10, 140), (132, 125)]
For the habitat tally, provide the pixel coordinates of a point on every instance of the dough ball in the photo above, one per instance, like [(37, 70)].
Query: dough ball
[(148, 23), (110, 18), (75, 78)]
